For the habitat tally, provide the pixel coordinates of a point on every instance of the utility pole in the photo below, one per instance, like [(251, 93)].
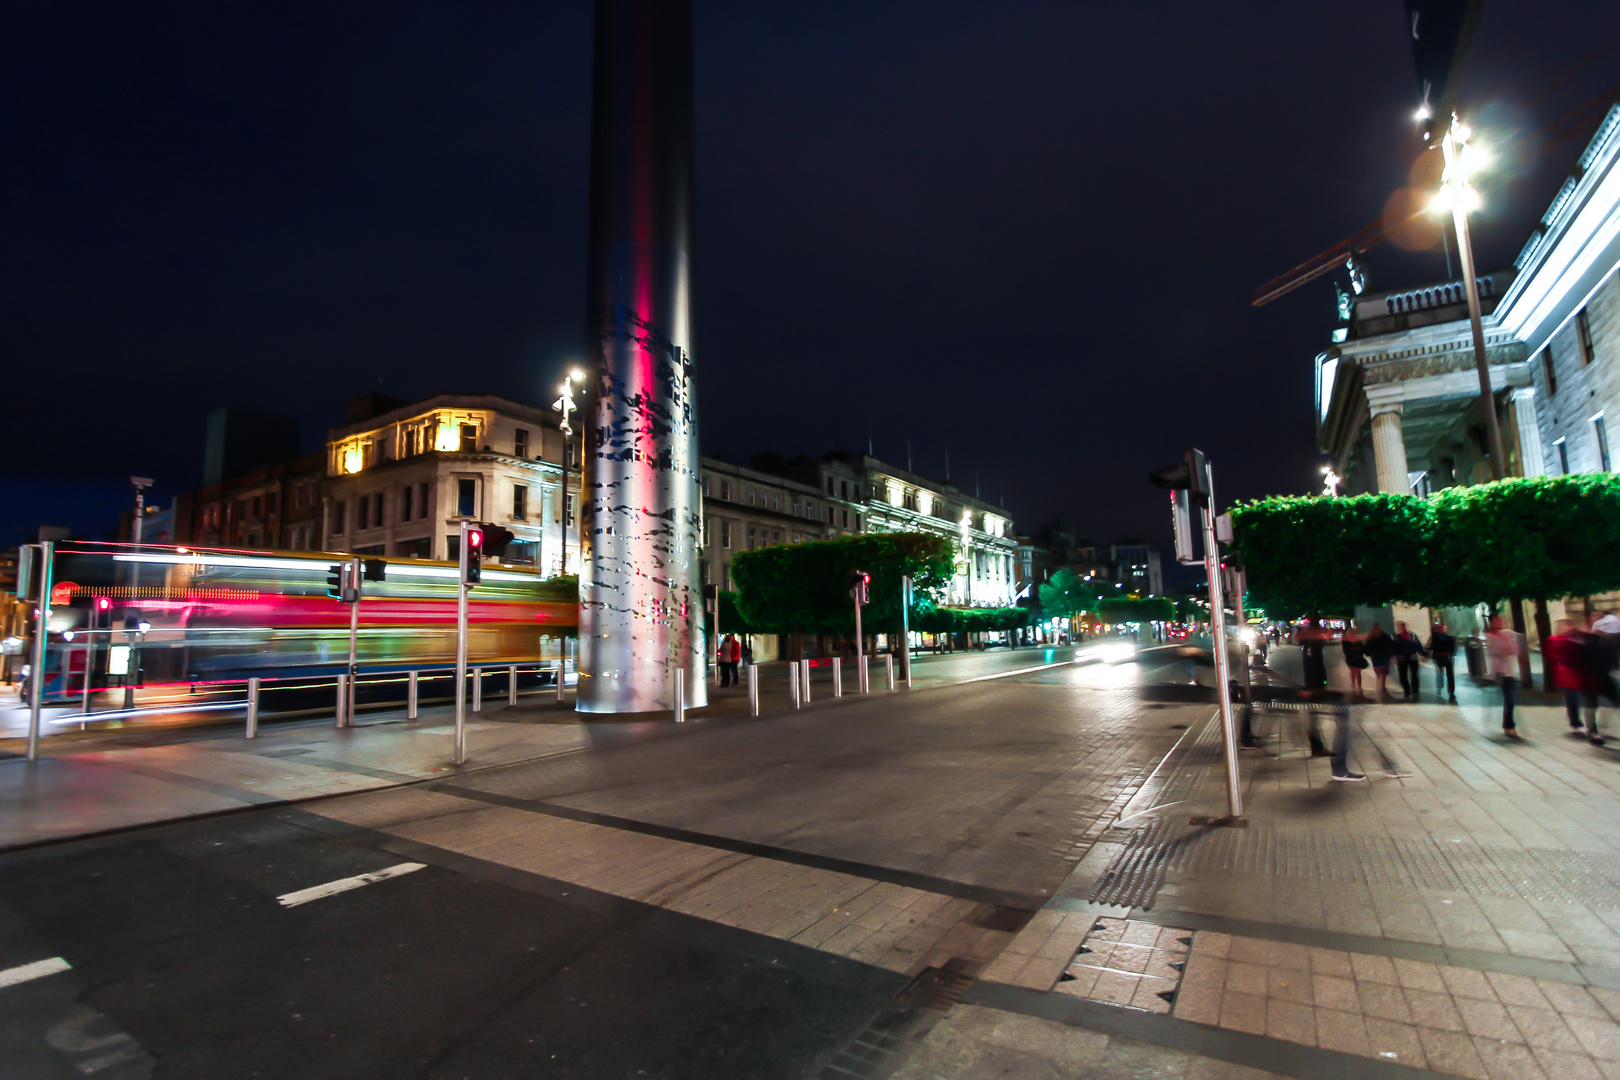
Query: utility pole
[(352, 572), (471, 572), (565, 405), (45, 553)]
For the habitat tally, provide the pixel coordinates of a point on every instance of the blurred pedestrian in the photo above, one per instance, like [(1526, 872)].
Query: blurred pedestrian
[(1600, 654), (730, 653), (1443, 650), (1379, 648), (1503, 645), (1564, 655), (1407, 648), (747, 652), (1355, 659)]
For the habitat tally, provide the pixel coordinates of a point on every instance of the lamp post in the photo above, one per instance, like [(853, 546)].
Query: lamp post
[(565, 405), (1458, 195)]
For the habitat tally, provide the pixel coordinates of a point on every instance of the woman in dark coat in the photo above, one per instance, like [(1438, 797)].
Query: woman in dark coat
[(1355, 658), (1379, 647)]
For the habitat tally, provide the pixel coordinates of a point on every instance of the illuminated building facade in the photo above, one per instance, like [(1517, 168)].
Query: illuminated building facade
[(401, 482), (1397, 396), (748, 508)]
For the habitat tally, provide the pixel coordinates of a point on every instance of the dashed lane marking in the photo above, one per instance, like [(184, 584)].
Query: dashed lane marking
[(37, 970), (332, 888)]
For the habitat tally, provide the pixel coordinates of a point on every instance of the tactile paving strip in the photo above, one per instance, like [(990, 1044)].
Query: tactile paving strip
[(1170, 846)]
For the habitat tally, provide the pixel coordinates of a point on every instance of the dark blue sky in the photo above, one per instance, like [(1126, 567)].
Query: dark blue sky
[(1024, 233)]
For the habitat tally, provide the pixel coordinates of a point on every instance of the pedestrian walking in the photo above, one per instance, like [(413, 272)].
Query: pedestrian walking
[(1407, 648), (1379, 647), (1355, 659), (1600, 654), (1564, 653), (1503, 645), (1443, 650), (747, 653), (730, 653)]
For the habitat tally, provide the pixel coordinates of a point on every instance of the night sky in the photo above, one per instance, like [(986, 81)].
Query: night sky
[(1025, 234)]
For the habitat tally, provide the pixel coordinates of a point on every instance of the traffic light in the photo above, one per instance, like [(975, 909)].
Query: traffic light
[(711, 598), (495, 539), (375, 569), (1191, 476), (472, 557), (343, 581), (860, 586)]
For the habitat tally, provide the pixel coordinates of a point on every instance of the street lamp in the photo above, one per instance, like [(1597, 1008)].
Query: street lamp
[(565, 405), (1459, 196)]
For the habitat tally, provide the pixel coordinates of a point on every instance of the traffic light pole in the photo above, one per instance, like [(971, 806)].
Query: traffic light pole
[(42, 616), (860, 646), (1223, 675), (461, 652), (354, 638)]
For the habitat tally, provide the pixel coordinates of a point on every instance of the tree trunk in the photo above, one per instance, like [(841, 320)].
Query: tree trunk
[(1544, 631), (1517, 609)]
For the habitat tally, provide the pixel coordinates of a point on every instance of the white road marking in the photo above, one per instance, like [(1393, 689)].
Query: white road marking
[(332, 888), (37, 970)]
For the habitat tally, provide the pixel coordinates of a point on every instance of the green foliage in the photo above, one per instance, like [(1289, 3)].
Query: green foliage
[(1309, 554), (1526, 538), (948, 620), (1123, 609), (1067, 595), (1523, 539), (806, 586)]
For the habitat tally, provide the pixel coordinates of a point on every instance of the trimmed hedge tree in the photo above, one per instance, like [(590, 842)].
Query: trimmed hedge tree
[(804, 588), (1524, 538)]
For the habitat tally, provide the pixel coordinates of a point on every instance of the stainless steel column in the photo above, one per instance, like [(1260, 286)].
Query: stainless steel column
[(511, 684), (478, 689), (793, 681), (888, 669), (838, 677), (412, 691), (641, 612), (753, 689), (253, 707)]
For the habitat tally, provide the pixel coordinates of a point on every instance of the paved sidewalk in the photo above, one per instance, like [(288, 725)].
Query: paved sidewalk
[(1464, 919)]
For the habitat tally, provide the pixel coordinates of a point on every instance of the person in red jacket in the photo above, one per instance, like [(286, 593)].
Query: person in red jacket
[(1562, 654), (730, 654)]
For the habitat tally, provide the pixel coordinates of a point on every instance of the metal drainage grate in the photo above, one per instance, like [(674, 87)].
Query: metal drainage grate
[(937, 989), (1167, 845)]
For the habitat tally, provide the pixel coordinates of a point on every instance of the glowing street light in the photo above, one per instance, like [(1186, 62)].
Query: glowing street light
[(1456, 194), (565, 405)]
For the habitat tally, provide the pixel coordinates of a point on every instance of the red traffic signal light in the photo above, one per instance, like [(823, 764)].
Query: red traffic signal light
[(475, 538), (103, 603)]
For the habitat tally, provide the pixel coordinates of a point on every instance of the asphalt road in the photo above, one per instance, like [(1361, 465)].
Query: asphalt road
[(179, 960), (182, 955)]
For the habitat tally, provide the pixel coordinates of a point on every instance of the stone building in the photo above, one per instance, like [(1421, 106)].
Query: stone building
[(275, 506), (1397, 395), (399, 483)]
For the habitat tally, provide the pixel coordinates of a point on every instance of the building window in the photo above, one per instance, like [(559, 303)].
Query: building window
[(469, 438), (520, 502), (1601, 433), (422, 499), (857, 523), (829, 515), (795, 506), (704, 484), (298, 497), (798, 538), (520, 443), (843, 486), (337, 518), (409, 441), (568, 511), (753, 538), (829, 485), (1547, 370), (846, 519), (725, 535), (405, 503), (1583, 329), (776, 537), (1563, 456), (466, 497), (377, 510), (570, 452), (725, 491)]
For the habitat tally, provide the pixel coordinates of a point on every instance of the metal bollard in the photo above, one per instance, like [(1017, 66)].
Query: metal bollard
[(753, 689), (411, 697), (888, 670), (342, 697), (253, 707), (511, 684), (864, 676), (478, 689), (838, 676), (804, 674), (908, 668), (793, 681), (562, 668), (680, 696)]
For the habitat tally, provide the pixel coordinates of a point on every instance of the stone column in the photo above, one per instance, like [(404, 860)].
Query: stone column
[(1389, 446), (1524, 409)]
